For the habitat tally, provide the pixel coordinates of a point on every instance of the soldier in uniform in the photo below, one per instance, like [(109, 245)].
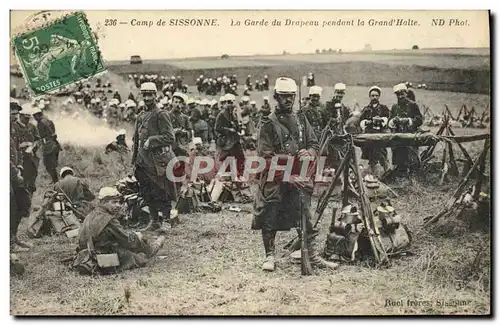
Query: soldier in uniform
[(76, 191), (228, 136), (182, 130), (409, 93), (119, 145), (314, 110), (112, 113), (20, 198), (152, 151), (117, 96), (265, 104), (335, 117), (200, 126), (29, 142), (51, 146), (102, 233), (279, 203), (374, 118), (405, 118), (265, 83)]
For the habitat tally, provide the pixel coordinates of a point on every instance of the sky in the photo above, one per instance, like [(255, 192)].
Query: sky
[(157, 42)]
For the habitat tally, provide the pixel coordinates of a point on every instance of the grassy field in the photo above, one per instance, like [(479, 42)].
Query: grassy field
[(210, 264)]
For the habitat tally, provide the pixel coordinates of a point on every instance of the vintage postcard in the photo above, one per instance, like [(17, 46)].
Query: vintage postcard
[(252, 162)]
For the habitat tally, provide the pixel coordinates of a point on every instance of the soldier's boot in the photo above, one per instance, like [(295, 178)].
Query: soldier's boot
[(269, 246), (154, 222), (157, 245), (316, 260)]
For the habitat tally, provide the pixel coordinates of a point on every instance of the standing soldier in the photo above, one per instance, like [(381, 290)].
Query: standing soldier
[(405, 118), (409, 93), (374, 118), (29, 143), (20, 199), (117, 95), (314, 110), (265, 83), (112, 113), (228, 136), (182, 129), (200, 126), (335, 117), (153, 138), (279, 204), (265, 104), (310, 80), (51, 147)]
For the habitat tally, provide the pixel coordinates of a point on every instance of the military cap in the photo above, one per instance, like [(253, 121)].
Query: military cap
[(65, 170), (180, 95), (245, 99), (130, 103), (339, 86), (399, 88), (108, 192), (285, 85), (148, 87), (26, 109), (377, 89), (230, 97), (14, 105), (315, 90)]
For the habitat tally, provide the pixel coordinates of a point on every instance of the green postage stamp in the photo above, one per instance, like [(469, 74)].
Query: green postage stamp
[(58, 54)]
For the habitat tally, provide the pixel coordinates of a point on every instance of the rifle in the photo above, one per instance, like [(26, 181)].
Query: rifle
[(306, 268), (71, 207), (367, 216)]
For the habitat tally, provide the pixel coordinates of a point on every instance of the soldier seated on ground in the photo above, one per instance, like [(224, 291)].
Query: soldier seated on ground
[(120, 145), (104, 246), (76, 191)]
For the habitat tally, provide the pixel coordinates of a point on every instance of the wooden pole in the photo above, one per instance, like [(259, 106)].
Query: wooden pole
[(480, 172), (461, 187)]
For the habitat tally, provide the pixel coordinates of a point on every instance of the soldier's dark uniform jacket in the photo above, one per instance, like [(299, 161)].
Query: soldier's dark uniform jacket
[(277, 204), (29, 134), (181, 122), (51, 146), (368, 113), (20, 199), (225, 139), (151, 163), (200, 127), (315, 115), (77, 190), (410, 109), (336, 123), (102, 232), (410, 94)]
